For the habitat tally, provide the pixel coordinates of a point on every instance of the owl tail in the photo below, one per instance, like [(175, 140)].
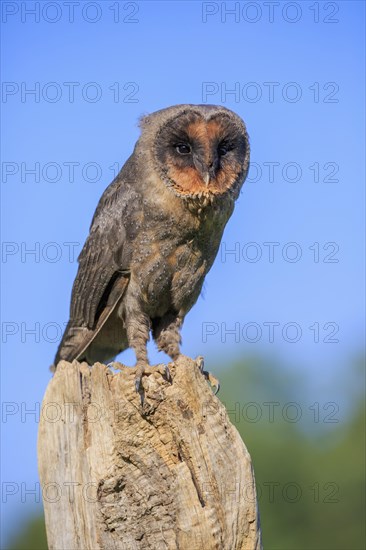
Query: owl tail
[(73, 344)]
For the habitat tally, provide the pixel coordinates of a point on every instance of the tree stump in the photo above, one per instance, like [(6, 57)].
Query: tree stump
[(170, 472)]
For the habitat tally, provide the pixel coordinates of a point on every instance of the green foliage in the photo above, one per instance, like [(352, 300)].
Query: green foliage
[(309, 473), (32, 537)]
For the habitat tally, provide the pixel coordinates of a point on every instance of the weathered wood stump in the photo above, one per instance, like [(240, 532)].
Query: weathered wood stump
[(171, 473)]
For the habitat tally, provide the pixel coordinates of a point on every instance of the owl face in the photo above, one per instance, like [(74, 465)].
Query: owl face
[(201, 151)]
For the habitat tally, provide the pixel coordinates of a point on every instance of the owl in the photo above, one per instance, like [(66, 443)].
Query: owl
[(155, 234)]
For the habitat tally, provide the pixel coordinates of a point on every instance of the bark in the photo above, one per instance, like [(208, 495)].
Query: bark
[(169, 473)]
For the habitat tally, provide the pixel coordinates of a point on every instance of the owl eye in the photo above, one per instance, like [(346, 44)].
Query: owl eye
[(224, 148), (183, 148)]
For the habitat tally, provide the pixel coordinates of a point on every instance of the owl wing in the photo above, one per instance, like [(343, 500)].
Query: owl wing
[(104, 264), (100, 262)]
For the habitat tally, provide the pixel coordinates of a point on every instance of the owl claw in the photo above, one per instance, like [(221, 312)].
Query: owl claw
[(168, 375), (211, 379), (146, 370), (116, 365), (138, 385), (200, 362), (140, 371)]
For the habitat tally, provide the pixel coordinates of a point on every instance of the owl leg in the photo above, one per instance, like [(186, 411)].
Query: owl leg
[(211, 379), (166, 333), (137, 325), (138, 335)]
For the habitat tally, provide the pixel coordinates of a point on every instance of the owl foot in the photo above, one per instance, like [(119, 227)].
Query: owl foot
[(116, 365), (142, 369), (211, 379)]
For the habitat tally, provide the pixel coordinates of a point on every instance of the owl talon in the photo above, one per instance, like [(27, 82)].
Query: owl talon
[(168, 375), (138, 385), (116, 365), (140, 371), (200, 362), (143, 370), (211, 379)]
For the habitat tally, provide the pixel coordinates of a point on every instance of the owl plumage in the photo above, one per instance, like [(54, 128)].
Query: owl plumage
[(155, 234)]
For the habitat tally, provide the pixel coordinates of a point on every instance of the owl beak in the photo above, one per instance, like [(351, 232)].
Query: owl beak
[(211, 170), (207, 170), (206, 178)]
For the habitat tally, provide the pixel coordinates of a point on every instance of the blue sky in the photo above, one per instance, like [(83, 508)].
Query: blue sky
[(293, 285)]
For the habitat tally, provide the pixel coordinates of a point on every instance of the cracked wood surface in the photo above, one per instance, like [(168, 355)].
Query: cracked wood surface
[(172, 473)]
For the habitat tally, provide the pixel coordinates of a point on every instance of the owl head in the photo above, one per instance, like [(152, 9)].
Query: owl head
[(200, 151)]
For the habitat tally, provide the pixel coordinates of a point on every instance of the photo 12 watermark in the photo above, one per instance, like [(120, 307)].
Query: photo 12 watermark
[(270, 92), (269, 332), (251, 412), (69, 92), (270, 12), (71, 11), (270, 412), (73, 171), (272, 491), (37, 252), (271, 171), (271, 252), (67, 171)]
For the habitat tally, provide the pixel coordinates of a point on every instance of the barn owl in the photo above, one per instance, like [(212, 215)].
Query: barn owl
[(155, 234)]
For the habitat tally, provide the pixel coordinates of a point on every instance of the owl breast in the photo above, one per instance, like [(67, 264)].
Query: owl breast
[(169, 277), (173, 252)]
